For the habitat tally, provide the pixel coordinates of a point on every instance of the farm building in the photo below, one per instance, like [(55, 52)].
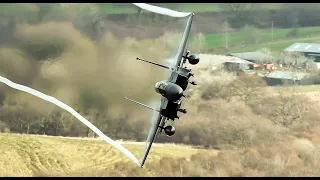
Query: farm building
[(237, 64), (255, 57), (308, 49), (292, 78), (215, 62)]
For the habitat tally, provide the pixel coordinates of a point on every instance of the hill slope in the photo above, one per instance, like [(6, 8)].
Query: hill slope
[(32, 155)]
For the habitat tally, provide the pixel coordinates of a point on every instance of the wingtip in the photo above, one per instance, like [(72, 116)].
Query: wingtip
[(142, 164)]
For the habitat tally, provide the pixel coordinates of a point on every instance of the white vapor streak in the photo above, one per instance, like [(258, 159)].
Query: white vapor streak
[(161, 10), (71, 111)]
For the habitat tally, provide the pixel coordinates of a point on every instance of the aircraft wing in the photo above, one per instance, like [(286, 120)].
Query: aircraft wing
[(154, 131), (183, 44)]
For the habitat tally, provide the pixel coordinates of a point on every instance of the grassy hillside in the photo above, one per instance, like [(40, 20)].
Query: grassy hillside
[(29, 155), (278, 46), (215, 7), (265, 35)]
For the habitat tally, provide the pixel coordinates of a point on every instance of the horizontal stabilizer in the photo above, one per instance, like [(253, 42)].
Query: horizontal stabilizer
[(142, 104)]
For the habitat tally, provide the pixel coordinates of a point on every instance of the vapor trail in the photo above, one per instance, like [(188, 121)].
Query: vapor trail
[(71, 111), (161, 10)]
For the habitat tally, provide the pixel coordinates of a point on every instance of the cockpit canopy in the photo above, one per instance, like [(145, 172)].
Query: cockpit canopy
[(160, 87)]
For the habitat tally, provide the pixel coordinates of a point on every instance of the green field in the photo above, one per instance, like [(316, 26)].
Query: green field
[(218, 39), (109, 8), (307, 34), (277, 46), (215, 7)]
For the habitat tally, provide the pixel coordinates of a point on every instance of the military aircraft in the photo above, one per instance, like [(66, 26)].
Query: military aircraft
[(171, 91)]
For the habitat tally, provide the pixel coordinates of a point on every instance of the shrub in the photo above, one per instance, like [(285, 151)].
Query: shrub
[(283, 109), (247, 88)]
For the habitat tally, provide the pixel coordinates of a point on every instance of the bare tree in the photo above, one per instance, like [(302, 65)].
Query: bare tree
[(250, 34), (266, 59), (292, 60), (198, 44), (246, 88), (283, 107), (240, 10)]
